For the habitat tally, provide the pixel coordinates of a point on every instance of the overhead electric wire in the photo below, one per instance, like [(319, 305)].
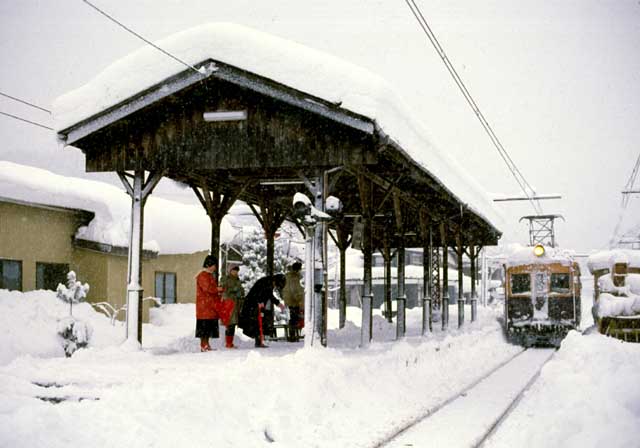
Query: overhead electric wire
[(141, 37), (26, 121), (520, 179), (24, 102)]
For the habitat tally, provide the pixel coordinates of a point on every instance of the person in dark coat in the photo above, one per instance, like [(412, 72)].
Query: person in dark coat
[(259, 299), (207, 294)]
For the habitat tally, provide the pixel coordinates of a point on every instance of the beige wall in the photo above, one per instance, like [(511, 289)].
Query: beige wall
[(30, 234), (93, 268), (185, 266)]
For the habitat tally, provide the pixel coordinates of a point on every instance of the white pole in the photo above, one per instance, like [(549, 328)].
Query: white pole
[(308, 285), (135, 246)]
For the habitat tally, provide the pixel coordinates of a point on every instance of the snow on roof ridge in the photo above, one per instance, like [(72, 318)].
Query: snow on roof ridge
[(607, 258), (335, 80), (232, 44), (164, 224)]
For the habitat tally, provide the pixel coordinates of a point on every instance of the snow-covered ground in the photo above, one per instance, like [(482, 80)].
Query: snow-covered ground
[(169, 394)]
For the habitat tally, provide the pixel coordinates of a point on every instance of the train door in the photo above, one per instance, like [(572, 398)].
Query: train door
[(539, 295)]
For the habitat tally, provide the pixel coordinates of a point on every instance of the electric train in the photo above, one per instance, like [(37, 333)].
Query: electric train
[(542, 296)]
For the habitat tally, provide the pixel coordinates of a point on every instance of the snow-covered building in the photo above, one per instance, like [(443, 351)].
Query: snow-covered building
[(50, 224), (414, 279)]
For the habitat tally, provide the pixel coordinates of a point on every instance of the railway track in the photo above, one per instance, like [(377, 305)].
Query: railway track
[(471, 416)]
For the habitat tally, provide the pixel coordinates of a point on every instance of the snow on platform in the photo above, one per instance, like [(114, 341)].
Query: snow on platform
[(343, 396)]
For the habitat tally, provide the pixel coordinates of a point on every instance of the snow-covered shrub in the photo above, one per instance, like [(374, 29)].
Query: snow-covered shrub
[(73, 292), (254, 258), (75, 333)]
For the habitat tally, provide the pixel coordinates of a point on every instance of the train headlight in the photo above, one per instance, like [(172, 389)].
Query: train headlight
[(538, 250)]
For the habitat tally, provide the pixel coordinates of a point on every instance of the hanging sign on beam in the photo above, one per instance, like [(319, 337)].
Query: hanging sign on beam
[(228, 115)]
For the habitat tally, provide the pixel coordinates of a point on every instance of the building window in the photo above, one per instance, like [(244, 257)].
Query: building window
[(49, 275), (11, 275), (166, 287)]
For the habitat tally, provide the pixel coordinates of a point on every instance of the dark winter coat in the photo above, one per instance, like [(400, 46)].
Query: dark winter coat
[(206, 295), (260, 293)]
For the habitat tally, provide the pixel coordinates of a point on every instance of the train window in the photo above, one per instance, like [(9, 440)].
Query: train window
[(560, 283), (520, 283)]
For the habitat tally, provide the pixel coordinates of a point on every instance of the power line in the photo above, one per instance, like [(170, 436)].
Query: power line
[(25, 102), (142, 38), (26, 121), (520, 179)]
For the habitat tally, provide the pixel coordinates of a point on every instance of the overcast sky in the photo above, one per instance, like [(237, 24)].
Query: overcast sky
[(559, 81)]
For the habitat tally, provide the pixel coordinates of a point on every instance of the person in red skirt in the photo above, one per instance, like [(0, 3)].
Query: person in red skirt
[(207, 295)]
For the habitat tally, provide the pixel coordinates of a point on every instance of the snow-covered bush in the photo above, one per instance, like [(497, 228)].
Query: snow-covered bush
[(73, 292), (75, 333), (254, 258)]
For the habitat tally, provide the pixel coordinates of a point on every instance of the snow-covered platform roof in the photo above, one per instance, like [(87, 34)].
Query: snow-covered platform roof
[(170, 227), (273, 67)]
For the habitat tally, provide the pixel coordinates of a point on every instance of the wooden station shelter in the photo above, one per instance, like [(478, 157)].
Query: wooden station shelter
[(232, 134)]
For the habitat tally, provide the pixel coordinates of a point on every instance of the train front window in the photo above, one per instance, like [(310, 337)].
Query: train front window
[(520, 284), (560, 283)]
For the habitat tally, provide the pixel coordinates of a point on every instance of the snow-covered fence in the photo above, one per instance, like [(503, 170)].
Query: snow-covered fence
[(109, 310), (112, 312)]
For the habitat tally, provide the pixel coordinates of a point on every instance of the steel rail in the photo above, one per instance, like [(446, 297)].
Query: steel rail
[(425, 415), (500, 420)]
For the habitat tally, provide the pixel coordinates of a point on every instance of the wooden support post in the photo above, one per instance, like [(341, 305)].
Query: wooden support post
[(139, 192), (342, 242), (387, 256), (365, 189), (425, 233), (460, 253), (402, 298), (270, 218), (216, 203), (485, 278), (324, 228), (445, 276), (473, 254)]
